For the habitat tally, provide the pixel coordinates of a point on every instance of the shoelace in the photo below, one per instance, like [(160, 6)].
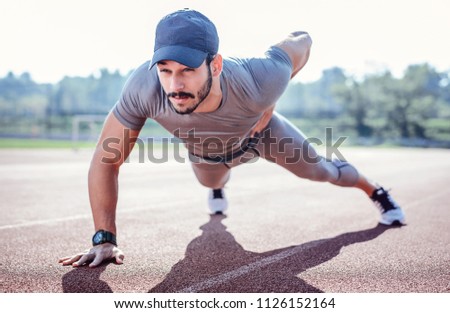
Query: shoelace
[(384, 201), (217, 194)]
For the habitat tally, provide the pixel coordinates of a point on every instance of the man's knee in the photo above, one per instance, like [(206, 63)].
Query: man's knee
[(348, 175), (212, 178), (212, 182)]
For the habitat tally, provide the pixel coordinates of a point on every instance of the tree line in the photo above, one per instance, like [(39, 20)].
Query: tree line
[(378, 106)]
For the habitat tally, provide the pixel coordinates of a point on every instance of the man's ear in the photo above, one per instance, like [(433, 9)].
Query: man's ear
[(216, 65)]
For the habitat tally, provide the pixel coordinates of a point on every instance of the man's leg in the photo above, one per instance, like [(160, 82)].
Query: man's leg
[(285, 145), (213, 176)]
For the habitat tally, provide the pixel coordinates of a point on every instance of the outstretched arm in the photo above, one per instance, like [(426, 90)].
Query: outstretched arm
[(114, 146), (297, 46)]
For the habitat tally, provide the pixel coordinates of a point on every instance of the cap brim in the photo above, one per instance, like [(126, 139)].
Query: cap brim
[(186, 56)]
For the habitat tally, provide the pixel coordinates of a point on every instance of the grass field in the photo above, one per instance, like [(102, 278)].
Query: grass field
[(7, 143), (20, 143)]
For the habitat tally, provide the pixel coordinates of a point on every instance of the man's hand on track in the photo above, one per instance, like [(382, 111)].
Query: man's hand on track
[(95, 256)]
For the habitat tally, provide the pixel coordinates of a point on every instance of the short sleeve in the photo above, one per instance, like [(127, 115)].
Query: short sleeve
[(271, 75), (134, 104)]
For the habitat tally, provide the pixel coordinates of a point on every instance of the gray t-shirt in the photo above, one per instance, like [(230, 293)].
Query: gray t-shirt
[(249, 86)]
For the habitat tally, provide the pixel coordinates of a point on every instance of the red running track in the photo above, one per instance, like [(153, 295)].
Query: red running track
[(281, 234)]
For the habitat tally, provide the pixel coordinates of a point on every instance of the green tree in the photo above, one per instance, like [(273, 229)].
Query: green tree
[(315, 99), (412, 100), (357, 103)]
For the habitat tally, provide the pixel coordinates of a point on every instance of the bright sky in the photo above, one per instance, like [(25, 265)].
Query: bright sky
[(54, 38)]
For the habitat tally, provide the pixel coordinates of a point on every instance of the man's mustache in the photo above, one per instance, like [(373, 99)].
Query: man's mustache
[(180, 94)]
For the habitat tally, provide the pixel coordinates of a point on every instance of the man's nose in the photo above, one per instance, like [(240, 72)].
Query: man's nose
[(176, 84)]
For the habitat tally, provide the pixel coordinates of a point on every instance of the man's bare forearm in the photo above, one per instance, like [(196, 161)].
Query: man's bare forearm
[(297, 45), (103, 193)]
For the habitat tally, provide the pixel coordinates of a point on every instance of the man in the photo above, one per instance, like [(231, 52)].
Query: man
[(223, 110)]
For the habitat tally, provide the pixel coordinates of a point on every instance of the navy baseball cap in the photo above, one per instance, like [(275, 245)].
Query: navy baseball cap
[(185, 36)]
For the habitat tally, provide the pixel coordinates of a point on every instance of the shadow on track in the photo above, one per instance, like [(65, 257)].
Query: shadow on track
[(85, 280), (215, 262)]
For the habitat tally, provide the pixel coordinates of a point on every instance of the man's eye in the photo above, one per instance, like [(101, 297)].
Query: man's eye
[(188, 69)]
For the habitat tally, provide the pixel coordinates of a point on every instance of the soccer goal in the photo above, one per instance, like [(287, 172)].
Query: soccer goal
[(86, 128)]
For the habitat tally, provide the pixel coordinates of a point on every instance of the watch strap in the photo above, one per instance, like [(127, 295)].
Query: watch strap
[(106, 237), (110, 237)]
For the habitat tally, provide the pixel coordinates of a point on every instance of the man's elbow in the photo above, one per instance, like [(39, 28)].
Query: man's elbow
[(301, 36), (297, 45), (302, 43), (107, 157)]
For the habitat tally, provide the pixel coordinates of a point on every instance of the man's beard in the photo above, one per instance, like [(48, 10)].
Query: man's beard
[(201, 95)]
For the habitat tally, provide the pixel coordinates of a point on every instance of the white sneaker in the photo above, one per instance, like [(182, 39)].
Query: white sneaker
[(391, 212), (217, 202)]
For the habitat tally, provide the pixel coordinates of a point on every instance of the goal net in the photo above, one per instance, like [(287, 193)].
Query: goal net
[(86, 128)]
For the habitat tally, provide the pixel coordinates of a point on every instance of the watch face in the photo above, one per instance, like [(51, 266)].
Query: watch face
[(98, 237)]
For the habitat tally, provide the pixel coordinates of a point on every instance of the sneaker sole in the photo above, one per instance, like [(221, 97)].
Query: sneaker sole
[(394, 222)]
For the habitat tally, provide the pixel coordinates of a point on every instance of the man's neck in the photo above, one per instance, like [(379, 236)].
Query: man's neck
[(213, 100)]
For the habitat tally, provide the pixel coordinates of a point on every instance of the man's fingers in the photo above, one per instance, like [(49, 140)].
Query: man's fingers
[(86, 257), (97, 255), (263, 121), (257, 128), (72, 259), (98, 259), (67, 260), (119, 258), (64, 259)]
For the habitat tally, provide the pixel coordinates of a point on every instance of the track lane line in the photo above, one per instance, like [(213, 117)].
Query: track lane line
[(84, 216), (214, 281), (80, 216)]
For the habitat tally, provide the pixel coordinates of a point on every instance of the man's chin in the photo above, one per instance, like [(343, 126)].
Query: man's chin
[(184, 110)]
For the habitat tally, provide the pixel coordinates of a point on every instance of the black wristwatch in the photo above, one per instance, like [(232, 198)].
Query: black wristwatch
[(103, 236)]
